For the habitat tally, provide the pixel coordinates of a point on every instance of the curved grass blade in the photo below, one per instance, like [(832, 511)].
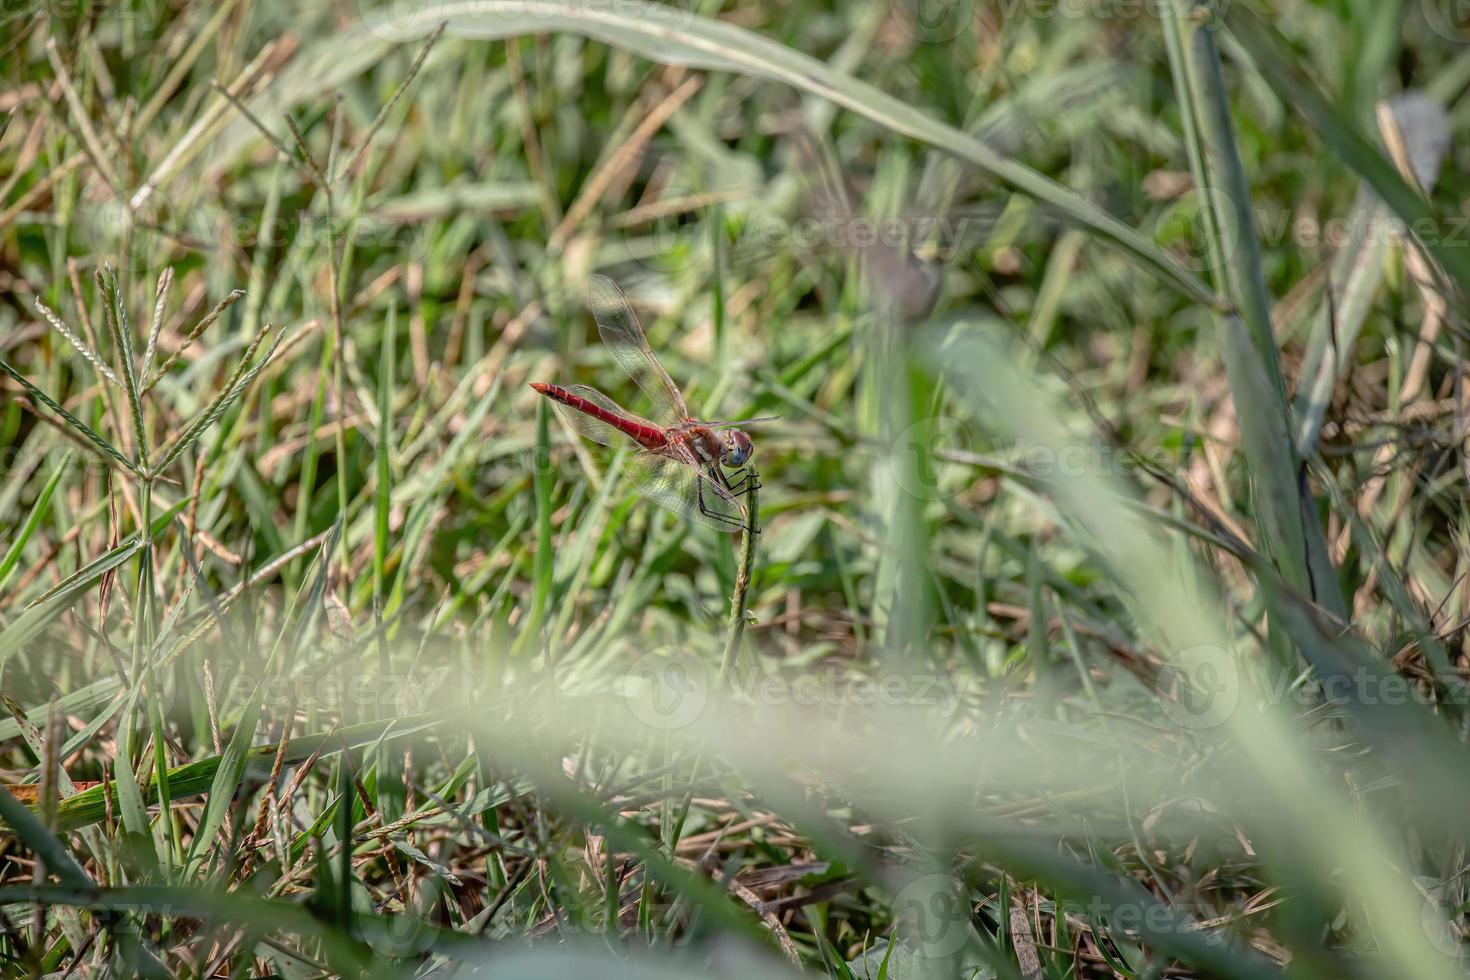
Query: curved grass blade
[(668, 35), (45, 844), (33, 520)]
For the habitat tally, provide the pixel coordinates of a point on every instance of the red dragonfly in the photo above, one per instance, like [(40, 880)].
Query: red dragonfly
[(681, 462)]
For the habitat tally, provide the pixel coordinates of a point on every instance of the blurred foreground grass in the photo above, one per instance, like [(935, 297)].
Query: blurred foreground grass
[(1108, 616)]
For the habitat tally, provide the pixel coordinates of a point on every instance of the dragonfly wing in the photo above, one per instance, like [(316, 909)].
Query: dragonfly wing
[(596, 429), (680, 486), (624, 338), (737, 423)]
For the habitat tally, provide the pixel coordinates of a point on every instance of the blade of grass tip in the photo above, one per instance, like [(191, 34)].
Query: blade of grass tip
[(382, 115), (1266, 48), (193, 335), (99, 156), (81, 348), (115, 312), (86, 431), (250, 117), (244, 375), (32, 521), (160, 300)]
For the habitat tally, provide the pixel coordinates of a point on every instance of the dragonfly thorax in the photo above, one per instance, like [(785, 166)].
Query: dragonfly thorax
[(729, 448)]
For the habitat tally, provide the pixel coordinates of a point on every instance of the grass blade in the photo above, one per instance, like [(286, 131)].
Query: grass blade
[(668, 35), (102, 445)]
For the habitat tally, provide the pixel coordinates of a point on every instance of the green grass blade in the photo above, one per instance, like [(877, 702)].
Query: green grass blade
[(383, 455), (1337, 128), (227, 396), (228, 776), (665, 34), (87, 432), (33, 521), (115, 312), (59, 860)]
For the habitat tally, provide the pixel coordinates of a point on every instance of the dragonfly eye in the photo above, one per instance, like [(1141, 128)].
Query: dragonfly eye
[(738, 448)]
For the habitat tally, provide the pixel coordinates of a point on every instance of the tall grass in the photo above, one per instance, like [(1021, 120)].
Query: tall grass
[(1107, 611)]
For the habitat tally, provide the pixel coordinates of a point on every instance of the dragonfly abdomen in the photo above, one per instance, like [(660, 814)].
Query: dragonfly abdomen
[(648, 436)]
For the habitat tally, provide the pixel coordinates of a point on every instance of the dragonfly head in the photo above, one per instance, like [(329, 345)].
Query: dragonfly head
[(737, 448)]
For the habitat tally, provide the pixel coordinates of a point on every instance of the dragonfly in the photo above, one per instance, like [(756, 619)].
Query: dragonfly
[(680, 462)]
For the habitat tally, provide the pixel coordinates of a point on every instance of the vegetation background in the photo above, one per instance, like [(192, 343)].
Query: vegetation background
[(1108, 612)]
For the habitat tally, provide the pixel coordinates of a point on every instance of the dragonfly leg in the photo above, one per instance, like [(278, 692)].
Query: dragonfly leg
[(744, 485), (726, 520)]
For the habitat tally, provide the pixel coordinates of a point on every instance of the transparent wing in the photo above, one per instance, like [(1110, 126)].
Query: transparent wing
[(737, 423), (596, 429), (680, 486), (629, 347)]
